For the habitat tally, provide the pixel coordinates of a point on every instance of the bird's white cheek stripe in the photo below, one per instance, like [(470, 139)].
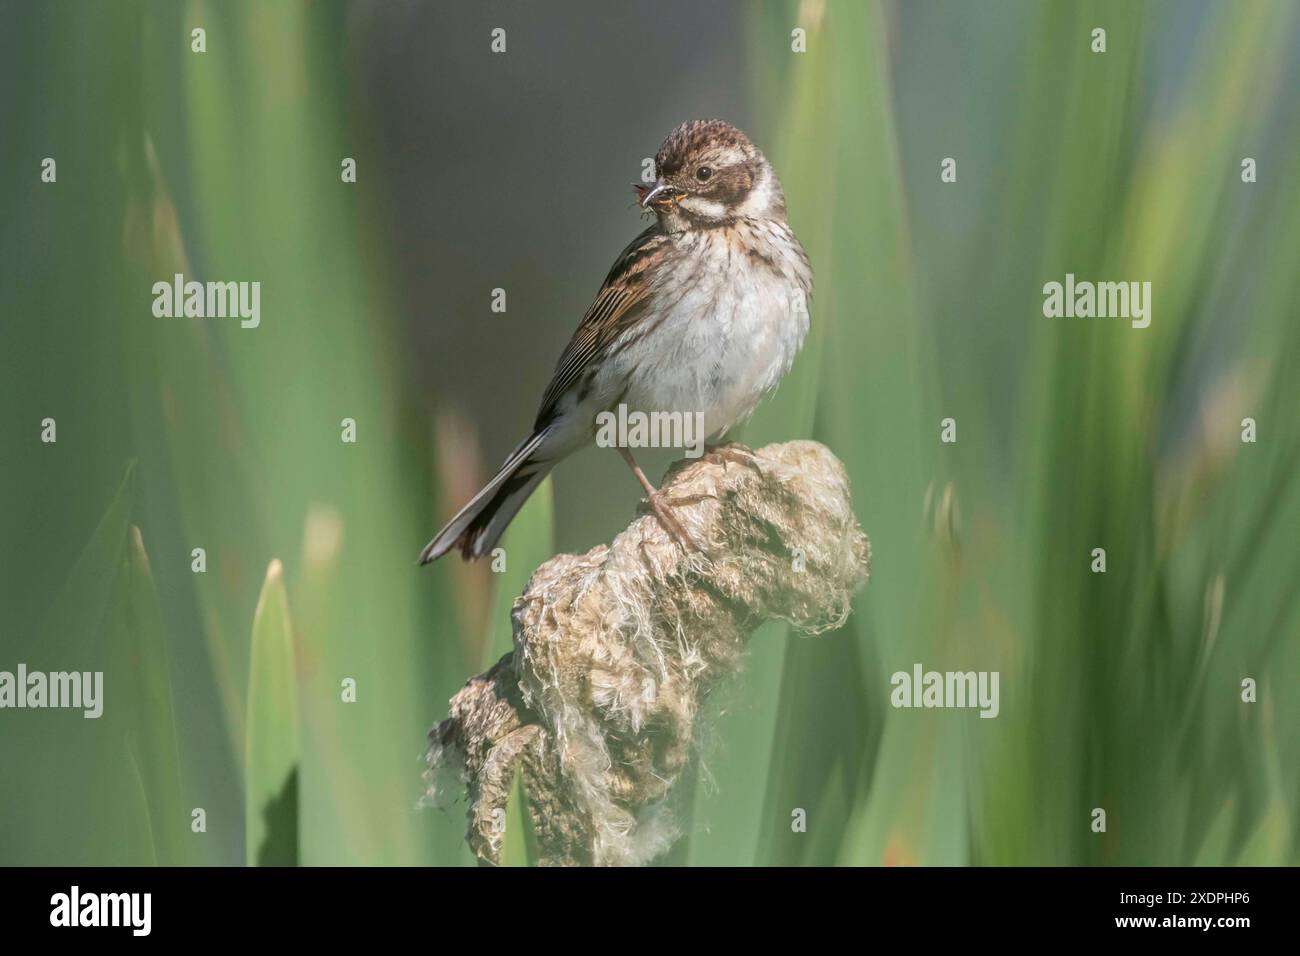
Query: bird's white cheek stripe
[(704, 208), (757, 203)]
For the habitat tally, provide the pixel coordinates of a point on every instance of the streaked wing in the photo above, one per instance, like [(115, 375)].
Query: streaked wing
[(619, 304)]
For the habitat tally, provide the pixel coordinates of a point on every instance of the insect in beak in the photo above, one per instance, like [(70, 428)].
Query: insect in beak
[(660, 195)]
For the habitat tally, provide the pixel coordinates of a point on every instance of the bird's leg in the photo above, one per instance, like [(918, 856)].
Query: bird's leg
[(661, 508)]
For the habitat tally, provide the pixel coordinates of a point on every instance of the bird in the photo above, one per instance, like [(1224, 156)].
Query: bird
[(703, 312)]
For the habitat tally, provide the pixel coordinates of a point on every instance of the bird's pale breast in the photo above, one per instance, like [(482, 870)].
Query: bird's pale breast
[(729, 313)]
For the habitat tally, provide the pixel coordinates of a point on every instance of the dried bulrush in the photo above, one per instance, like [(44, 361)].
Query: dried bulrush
[(616, 650)]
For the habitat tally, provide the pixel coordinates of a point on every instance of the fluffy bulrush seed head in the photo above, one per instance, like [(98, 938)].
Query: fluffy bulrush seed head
[(617, 649)]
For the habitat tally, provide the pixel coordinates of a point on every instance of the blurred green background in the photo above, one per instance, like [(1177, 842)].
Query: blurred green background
[(224, 690)]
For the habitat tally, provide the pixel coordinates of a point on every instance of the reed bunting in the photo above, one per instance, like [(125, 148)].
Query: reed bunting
[(703, 312)]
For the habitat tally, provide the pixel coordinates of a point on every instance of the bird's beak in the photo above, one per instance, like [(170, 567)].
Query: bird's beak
[(661, 194)]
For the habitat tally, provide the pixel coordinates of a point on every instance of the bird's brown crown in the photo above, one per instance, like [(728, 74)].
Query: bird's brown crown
[(708, 173), (694, 140)]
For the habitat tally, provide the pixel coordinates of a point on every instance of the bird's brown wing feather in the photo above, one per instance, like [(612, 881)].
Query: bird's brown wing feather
[(619, 305)]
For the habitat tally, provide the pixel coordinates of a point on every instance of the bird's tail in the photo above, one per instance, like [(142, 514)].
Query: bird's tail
[(479, 525)]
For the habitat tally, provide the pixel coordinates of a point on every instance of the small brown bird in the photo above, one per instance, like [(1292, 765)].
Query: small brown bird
[(703, 312)]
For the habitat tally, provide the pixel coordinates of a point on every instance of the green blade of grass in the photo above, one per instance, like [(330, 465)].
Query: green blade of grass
[(517, 848), (141, 649), (271, 752)]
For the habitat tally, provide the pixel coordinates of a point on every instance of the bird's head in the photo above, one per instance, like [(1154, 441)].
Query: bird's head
[(708, 173)]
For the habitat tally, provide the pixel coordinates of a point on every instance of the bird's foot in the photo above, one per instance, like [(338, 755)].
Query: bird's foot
[(664, 512), (733, 452)]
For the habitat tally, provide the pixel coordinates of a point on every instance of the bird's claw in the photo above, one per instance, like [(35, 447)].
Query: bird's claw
[(663, 511), (734, 452)]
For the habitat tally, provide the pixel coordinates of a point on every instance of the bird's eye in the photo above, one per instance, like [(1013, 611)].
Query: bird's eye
[(703, 174)]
